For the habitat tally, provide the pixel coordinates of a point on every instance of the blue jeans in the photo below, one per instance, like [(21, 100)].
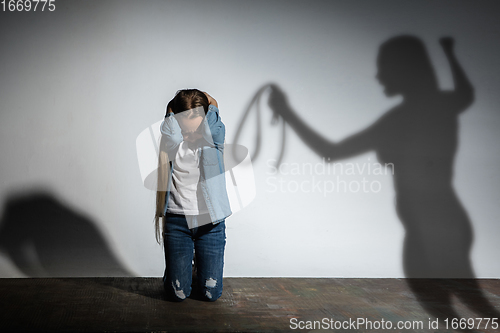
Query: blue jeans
[(207, 243)]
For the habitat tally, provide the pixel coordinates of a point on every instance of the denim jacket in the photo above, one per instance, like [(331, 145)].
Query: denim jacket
[(212, 173)]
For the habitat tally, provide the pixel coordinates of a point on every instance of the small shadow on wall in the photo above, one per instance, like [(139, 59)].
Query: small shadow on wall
[(45, 238)]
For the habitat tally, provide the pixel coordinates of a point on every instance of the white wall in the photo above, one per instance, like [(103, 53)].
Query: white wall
[(79, 84)]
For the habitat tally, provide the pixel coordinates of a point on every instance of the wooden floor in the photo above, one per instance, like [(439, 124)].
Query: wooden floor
[(246, 305)]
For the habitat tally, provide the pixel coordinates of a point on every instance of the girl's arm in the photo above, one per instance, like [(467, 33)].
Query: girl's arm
[(215, 130), (171, 132), (211, 100)]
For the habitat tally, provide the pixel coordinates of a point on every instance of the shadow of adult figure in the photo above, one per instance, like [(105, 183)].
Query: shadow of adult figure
[(45, 238), (419, 137)]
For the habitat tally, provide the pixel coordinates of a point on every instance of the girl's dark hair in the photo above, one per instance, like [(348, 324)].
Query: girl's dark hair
[(188, 99)]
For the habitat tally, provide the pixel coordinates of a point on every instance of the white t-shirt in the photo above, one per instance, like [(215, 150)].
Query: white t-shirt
[(185, 192)]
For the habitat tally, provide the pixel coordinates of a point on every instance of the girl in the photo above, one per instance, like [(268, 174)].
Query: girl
[(191, 195)]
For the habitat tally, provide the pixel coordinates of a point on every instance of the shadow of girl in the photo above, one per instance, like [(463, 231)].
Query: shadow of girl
[(419, 137)]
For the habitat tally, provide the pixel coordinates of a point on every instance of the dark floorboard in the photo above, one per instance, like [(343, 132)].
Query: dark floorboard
[(246, 305)]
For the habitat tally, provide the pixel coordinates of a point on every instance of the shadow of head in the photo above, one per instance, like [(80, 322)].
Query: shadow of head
[(404, 67), (44, 237)]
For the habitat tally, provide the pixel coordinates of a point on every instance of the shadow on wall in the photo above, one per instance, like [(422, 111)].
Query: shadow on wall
[(44, 238), (419, 137)]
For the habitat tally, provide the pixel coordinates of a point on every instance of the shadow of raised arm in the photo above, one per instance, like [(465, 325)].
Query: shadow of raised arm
[(463, 94)]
